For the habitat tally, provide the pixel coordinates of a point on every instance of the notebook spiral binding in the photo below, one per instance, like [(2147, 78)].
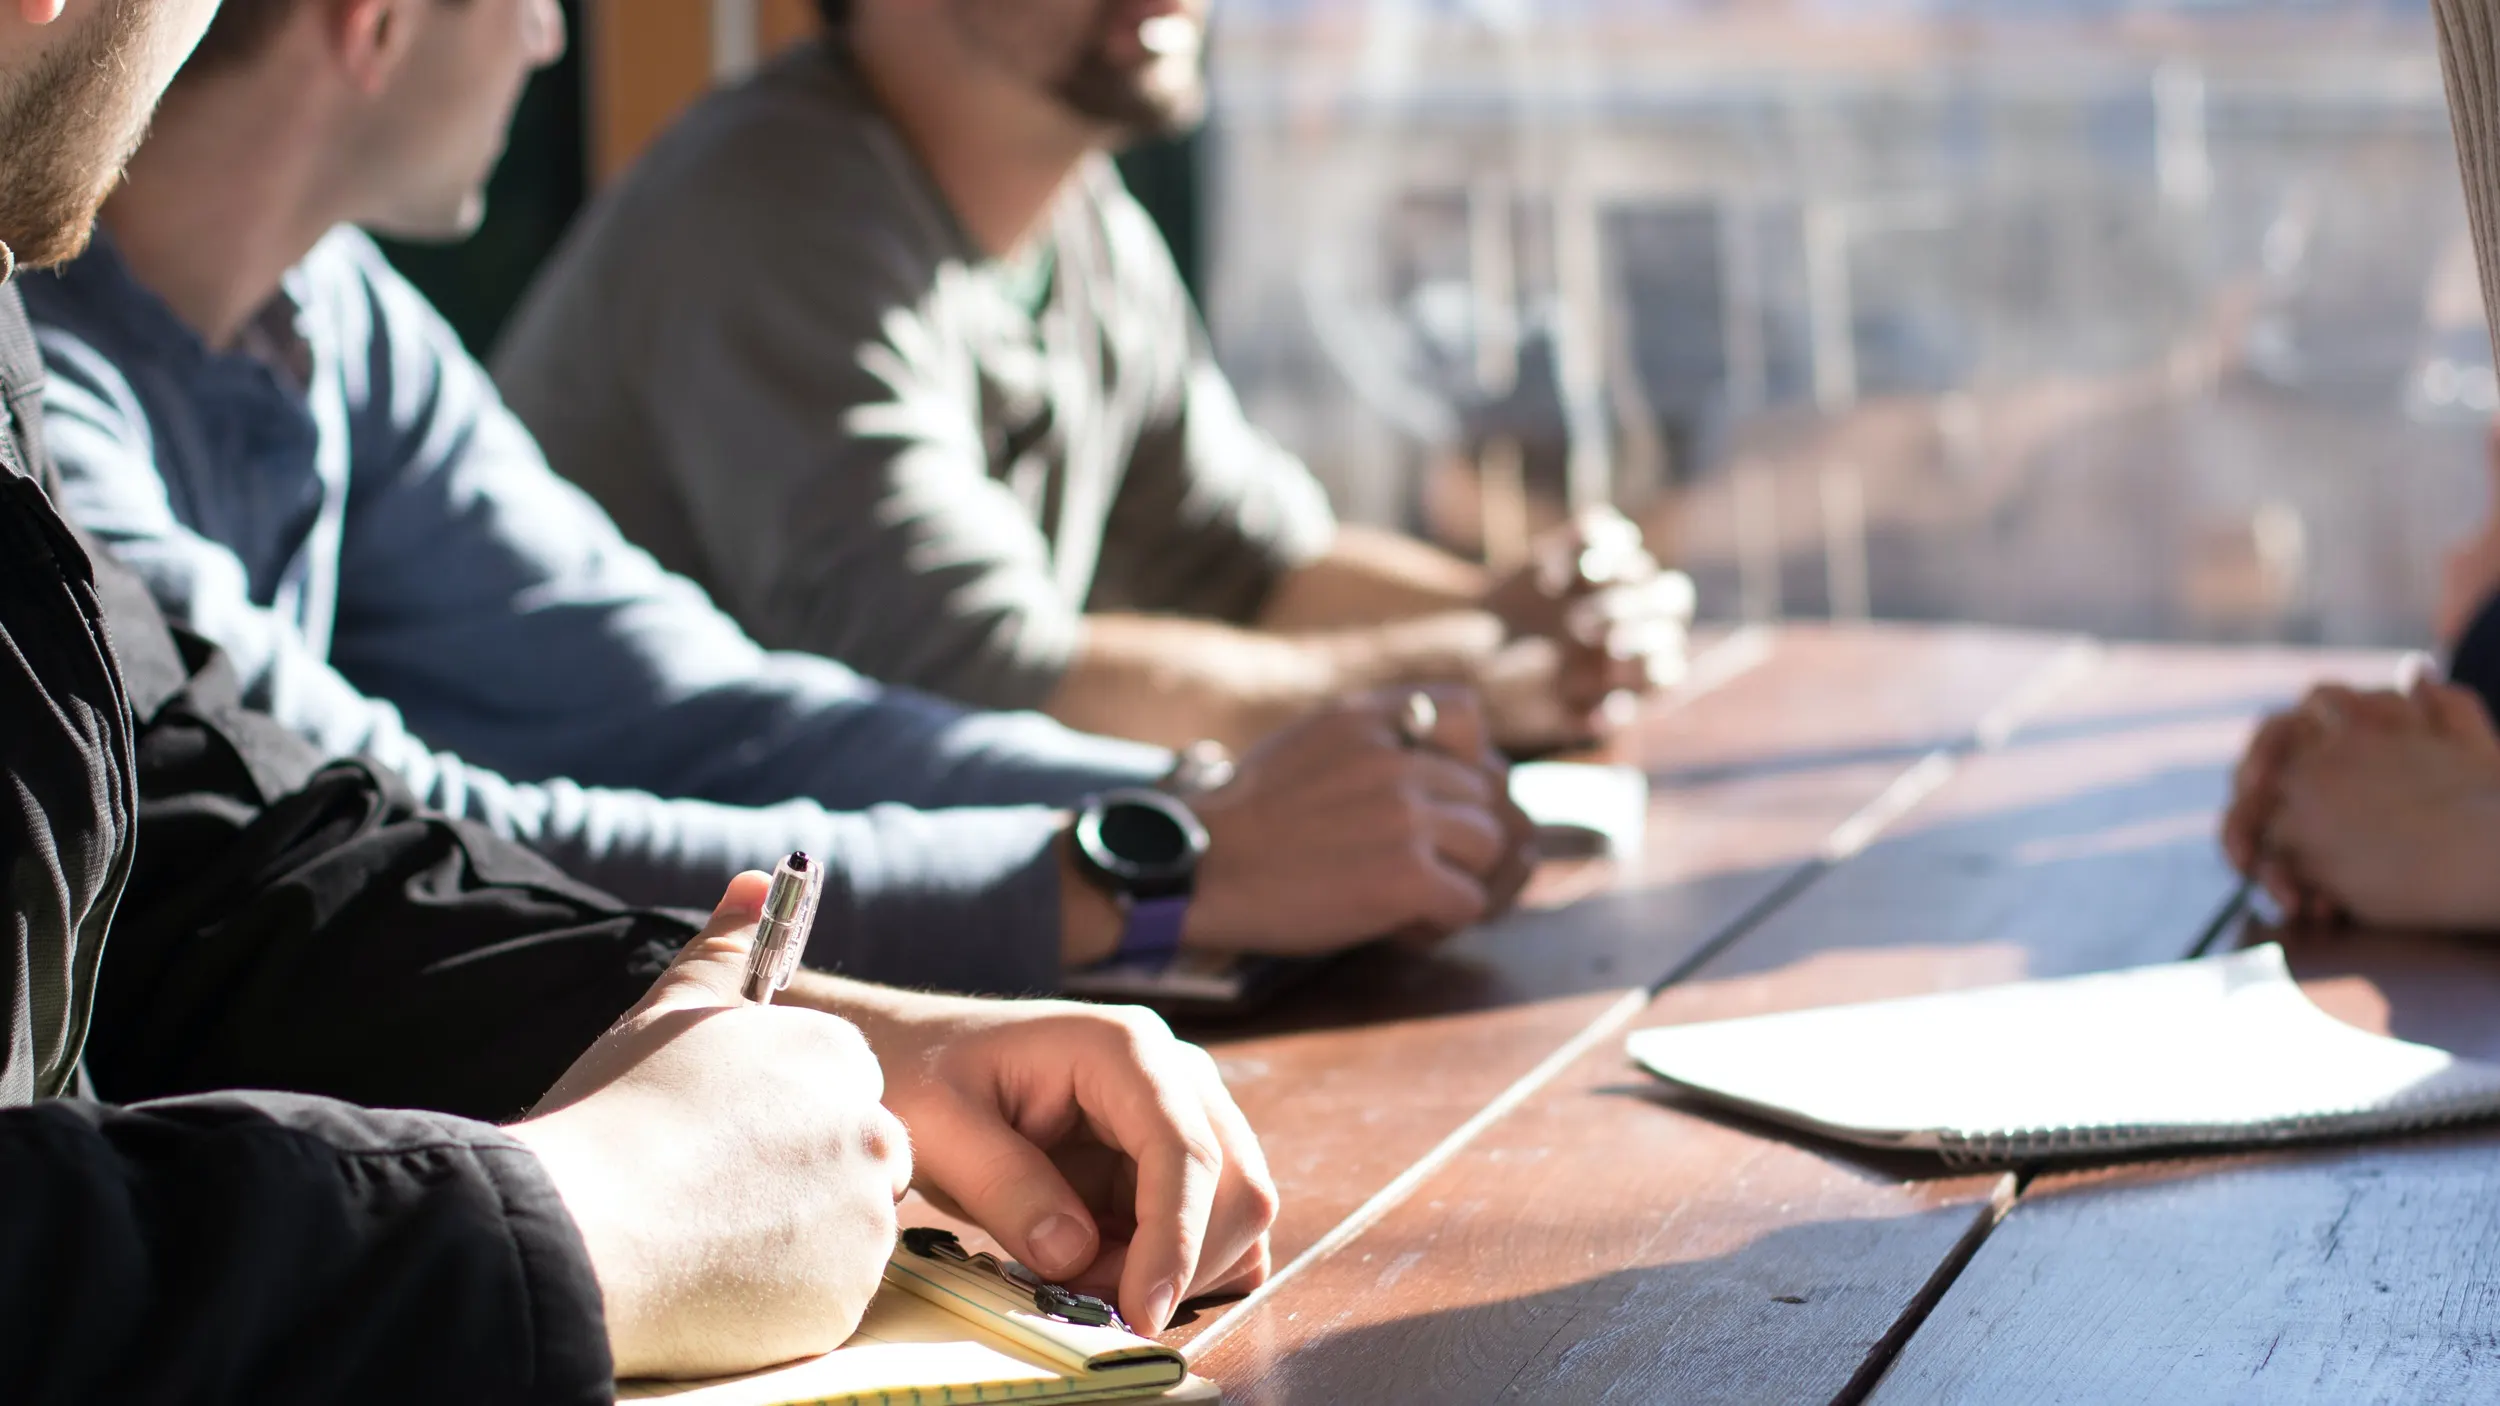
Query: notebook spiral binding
[(2017, 1146)]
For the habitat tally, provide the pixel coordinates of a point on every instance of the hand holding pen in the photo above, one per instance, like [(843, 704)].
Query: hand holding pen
[(695, 1090), (781, 933)]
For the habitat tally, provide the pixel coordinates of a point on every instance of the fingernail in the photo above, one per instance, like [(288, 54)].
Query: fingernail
[(1059, 1244), (1160, 1303)]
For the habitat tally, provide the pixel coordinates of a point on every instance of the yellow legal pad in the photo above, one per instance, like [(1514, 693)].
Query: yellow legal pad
[(943, 1332)]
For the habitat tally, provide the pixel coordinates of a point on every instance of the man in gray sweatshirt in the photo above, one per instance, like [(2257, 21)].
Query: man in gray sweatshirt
[(253, 412), (878, 349)]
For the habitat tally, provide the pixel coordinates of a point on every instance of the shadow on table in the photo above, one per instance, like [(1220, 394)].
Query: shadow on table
[(1793, 1315), (1872, 1163), (2119, 874), (2433, 989), (1611, 942), (1908, 752), (2116, 875)]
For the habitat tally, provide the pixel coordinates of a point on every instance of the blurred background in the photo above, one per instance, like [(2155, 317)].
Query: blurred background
[(2151, 319)]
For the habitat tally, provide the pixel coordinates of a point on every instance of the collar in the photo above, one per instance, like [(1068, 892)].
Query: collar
[(274, 341)]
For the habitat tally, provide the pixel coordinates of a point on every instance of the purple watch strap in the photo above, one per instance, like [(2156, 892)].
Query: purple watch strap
[(1152, 934)]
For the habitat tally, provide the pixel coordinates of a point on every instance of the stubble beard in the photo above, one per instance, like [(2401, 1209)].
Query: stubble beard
[(1141, 103), (66, 131)]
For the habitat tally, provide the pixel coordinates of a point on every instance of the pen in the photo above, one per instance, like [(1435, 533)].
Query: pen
[(781, 935)]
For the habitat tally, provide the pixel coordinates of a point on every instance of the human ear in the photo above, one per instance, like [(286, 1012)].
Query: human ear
[(370, 38)]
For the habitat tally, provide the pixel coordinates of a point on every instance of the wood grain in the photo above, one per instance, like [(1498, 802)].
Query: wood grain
[(1604, 1243), (2345, 1275), (2339, 1274), (1353, 1081)]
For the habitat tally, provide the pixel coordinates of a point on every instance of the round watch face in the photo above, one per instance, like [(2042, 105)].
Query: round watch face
[(1144, 842)]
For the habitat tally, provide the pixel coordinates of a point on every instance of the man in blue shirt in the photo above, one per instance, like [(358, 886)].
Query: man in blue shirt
[(256, 413), (279, 1247)]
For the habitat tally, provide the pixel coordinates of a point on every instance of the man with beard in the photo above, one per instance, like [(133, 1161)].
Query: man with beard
[(252, 410), (710, 1187), (878, 349), (275, 1248)]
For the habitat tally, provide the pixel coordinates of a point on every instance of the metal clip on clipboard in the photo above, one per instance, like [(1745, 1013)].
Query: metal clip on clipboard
[(1049, 1300)]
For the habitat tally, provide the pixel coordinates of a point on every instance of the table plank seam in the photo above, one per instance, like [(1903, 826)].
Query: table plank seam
[(2019, 1182), (1992, 732), (1996, 730), (1608, 1023), (1887, 1350), (1722, 664), (2233, 909), (1871, 1374)]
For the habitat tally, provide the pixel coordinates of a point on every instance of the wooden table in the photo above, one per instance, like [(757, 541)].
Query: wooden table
[(1483, 1202)]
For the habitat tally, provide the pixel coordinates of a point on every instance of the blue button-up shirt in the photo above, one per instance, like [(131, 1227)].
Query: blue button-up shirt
[(343, 503)]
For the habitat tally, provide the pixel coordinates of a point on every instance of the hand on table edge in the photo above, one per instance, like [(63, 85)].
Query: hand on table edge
[(1338, 832), (1612, 623), (1012, 1104)]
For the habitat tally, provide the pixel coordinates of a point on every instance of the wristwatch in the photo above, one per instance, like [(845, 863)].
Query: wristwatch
[(1143, 848)]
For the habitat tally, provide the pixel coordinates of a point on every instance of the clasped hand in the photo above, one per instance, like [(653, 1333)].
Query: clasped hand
[(2374, 807), (1593, 625)]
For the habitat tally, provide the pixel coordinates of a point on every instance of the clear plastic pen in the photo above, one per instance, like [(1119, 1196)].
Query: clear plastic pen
[(781, 935)]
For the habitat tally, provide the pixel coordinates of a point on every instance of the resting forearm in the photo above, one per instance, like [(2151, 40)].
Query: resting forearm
[(1369, 577), (1175, 682), (956, 897)]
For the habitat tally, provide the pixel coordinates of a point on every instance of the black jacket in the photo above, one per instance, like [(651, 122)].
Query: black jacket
[(2477, 661), (280, 927)]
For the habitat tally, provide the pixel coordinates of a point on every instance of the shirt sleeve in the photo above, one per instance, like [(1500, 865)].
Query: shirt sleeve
[(599, 710), (277, 1249), (1212, 513), (513, 624), (2476, 664)]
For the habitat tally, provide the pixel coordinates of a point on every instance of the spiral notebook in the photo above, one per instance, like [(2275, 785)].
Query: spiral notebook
[(944, 1333), (2222, 1050)]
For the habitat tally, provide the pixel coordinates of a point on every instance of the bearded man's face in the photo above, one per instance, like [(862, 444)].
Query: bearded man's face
[(73, 109), (1134, 66)]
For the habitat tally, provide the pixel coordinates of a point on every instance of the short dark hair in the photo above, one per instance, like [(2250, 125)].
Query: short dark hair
[(242, 30), (837, 13)]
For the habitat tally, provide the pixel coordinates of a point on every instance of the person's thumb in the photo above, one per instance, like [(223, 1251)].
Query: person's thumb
[(711, 970), (1008, 1187)]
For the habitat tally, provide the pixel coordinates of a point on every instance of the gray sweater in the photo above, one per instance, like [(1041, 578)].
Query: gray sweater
[(781, 365)]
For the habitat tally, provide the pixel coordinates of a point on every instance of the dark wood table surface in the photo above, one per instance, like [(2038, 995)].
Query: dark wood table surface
[(1485, 1202)]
